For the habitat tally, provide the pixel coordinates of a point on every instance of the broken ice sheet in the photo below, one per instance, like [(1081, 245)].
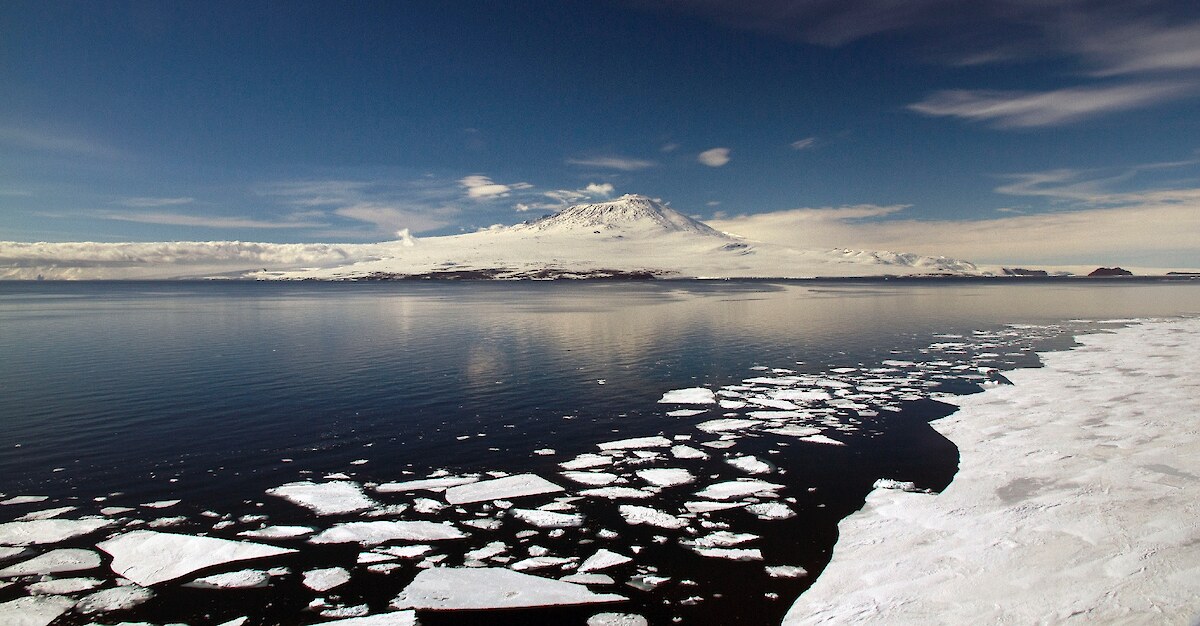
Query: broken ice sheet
[(726, 424), (586, 461), (149, 557), (427, 484), (666, 477), (278, 532), (548, 519), (63, 586), (450, 588), (692, 395), (595, 479), (500, 488), (656, 441), (48, 531), (114, 599), (241, 579), (750, 464), (617, 493), (395, 618), (54, 562), (603, 559), (325, 579), (34, 610), (737, 489), (371, 533), (635, 515), (332, 498), (732, 554)]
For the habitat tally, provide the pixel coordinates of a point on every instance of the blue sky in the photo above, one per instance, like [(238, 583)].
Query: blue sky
[(322, 121)]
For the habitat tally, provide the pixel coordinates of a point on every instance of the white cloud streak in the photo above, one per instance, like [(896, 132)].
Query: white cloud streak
[(149, 202), (804, 144), (714, 157), (1009, 109), (625, 164), (204, 221)]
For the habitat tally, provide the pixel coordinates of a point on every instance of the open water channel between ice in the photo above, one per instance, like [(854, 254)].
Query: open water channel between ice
[(682, 451)]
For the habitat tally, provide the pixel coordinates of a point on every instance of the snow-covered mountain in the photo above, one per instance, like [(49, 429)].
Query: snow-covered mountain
[(631, 236)]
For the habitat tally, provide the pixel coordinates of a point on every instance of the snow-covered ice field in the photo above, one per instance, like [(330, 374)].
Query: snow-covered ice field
[(1077, 500)]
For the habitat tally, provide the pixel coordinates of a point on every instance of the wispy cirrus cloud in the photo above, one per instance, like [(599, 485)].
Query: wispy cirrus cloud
[(208, 221), (55, 142), (145, 202), (804, 144), (481, 187), (614, 162), (561, 198), (376, 207), (1015, 109)]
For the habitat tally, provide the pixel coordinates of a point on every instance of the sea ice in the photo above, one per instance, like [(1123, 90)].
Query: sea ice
[(685, 412), (771, 510), (24, 500), (149, 557), (34, 610), (603, 559), (737, 489), (750, 464), (405, 552), (395, 618), (278, 532), (588, 579), (693, 395), (54, 562), (450, 588), (708, 507), (595, 479), (48, 530), (617, 619), (822, 439), (548, 519), (733, 554), (45, 514), (634, 514), (726, 424), (332, 498), (371, 533), (161, 504), (320, 580), (722, 539), (794, 431), (241, 579), (540, 562), (114, 599), (656, 441), (507, 487), (617, 493), (63, 586), (666, 477), (785, 571), (687, 452), (586, 461), (490, 550), (427, 484)]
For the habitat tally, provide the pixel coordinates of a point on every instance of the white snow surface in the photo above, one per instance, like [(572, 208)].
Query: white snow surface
[(1077, 500), (665, 476), (54, 562), (692, 395), (372, 533), (603, 559), (324, 579), (241, 579), (656, 441), (331, 498), (149, 557), (34, 610), (455, 588), (48, 530), (501, 488), (395, 618)]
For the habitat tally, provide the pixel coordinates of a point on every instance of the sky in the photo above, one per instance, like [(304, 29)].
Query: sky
[(1028, 131)]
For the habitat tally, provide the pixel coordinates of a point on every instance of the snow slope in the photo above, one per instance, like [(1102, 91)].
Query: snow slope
[(1077, 500), (632, 235)]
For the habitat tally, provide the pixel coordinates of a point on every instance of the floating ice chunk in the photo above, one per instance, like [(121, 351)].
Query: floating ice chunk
[(782, 381), (726, 424), (405, 552), (722, 539), (48, 530), (635, 515), (692, 395), (686, 412), (371, 533), (427, 505), (587, 461), (54, 562), (719, 444), (320, 580), (332, 498), (34, 610), (617, 619), (708, 507), (149, 557), (666, 477), (63, 586), (164, 522), (595, 479), (9, 553), (794, 431), (732, 404), (733, 554), (785, 571), (237, 621), (507, 487), (161, 504), (490, 550), (899, 485), (426, 484), (617, 493), (540, 562), (395, 618), (773, 403), (771, 510), (656, 441), (687, 452), (486, 523), (451, 588), (588, 579), (241, 579), (548, 519), (800, 395), (750, 464), (114, 599), (603, 559), (647, 582), (278, 532), (45, 514), (737, 489), (822, 439), (24, 500), (115, 510)]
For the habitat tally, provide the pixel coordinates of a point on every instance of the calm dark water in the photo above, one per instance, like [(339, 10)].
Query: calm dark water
[(117, 394)]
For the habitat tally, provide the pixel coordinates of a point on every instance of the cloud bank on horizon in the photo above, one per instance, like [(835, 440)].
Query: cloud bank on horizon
[(1010, 131)]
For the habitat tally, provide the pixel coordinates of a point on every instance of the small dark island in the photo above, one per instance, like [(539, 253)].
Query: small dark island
[(1109, 271)]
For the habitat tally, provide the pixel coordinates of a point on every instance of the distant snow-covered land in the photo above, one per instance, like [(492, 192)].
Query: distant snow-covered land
[(632, 236), (1077, 500)]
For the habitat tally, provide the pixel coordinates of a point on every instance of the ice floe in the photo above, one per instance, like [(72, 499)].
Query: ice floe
[(665, 477), (617, 493), (547, 519), (595, 479), (324, 579), (732, 554), (586, 461), (395, 618), (24, 500), (34, 610), (726, 424), (241, 579), (507, 487), (452, 588), (687, 452), (771, 510), (331, 498), (617, 619), (603, 559), (427, 484), (692, 395), (150, 557), (63, 586), (737, 489), (372, 533), (45, 514), (48, 530), (114, 599), (656, 441), (55, 562), (785, 571), (750, 464), (635, 514), (822, 439), (278, 532)]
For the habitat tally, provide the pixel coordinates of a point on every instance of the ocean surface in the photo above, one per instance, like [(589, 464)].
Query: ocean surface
[(117, 395)]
